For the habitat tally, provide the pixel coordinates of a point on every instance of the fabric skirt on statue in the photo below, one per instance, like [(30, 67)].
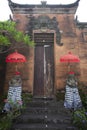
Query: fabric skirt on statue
[(72, 98), (13, 98), (14, 94)]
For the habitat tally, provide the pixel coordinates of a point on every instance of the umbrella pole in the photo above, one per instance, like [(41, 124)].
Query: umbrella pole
[(16, 67), (68, 67)]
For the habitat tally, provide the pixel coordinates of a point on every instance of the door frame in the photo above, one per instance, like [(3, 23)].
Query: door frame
[(45, 31)]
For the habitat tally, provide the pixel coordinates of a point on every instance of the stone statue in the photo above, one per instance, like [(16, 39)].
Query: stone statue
[(72, 97), (14, 99)]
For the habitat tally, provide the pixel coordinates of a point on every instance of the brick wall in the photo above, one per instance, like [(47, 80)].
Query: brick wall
[(73, 39)]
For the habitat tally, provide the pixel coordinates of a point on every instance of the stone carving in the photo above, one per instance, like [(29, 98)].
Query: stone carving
[(44, 22)]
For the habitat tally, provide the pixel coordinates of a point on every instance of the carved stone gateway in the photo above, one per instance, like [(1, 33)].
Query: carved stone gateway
[(49, 26)]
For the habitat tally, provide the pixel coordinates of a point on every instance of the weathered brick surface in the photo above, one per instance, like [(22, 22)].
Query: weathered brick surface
[(73, 39)]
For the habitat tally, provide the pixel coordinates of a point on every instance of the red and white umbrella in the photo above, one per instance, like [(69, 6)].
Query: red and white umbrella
[(69, 58), (15, 57)]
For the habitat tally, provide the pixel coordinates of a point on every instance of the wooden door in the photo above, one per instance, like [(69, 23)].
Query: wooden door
[(48, 70), (39, 71), (44, 67)]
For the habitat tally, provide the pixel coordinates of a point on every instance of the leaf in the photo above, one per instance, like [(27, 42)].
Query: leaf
[(9, 34)]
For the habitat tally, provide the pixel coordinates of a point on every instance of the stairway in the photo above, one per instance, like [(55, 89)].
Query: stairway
[(44, 114)]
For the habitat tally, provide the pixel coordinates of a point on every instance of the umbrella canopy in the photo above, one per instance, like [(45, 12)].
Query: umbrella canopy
[(15, 57), (69, 58)]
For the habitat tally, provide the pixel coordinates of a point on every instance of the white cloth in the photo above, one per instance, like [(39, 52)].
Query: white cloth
[(14, 94), (72, 98)]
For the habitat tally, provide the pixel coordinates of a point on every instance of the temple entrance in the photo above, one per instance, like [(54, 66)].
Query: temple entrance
[(44, 65)]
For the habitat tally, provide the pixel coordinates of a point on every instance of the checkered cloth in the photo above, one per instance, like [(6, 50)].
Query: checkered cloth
[(72, 98)]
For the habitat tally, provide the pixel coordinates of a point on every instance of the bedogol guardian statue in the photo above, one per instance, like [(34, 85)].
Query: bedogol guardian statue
[(72, 97), (14, 98)]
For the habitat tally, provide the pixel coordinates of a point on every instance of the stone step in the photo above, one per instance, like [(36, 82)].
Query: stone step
[(46, 104), (49, 107), (44, 114), (43, 102), (38, 103), (42, 127), (43, 98), (31, 118), (43, 110)]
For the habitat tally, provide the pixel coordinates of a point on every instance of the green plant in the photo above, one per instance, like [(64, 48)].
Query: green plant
[(80, 116), (80, 119), (60, 95), (26, 98), (1, 100), (6, 119), (9, 35), (83, 96)]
